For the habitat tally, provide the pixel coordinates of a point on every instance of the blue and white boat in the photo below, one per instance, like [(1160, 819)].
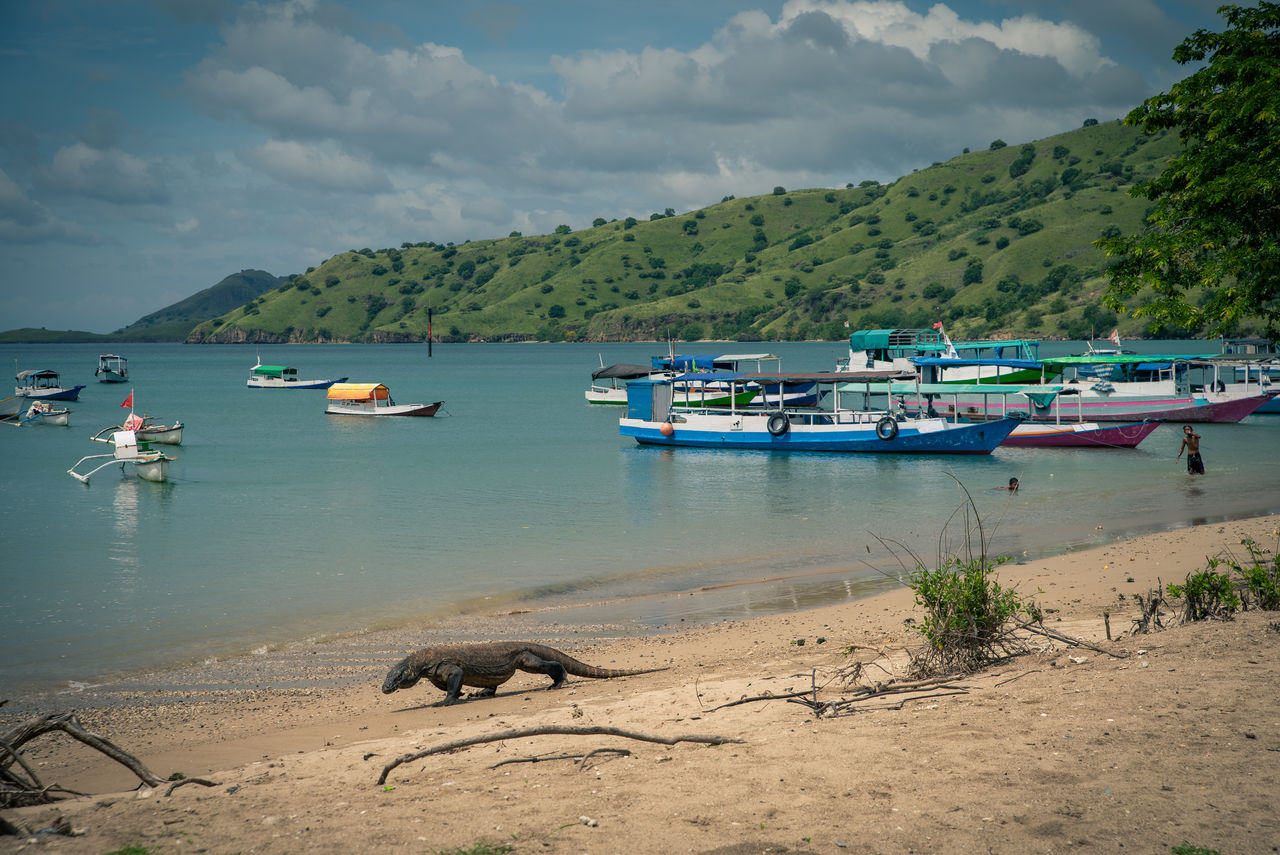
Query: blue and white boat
[(795, 394), (654, 418), (44, 384), (284, 377)]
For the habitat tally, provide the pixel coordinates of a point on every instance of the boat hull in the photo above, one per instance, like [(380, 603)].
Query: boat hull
[(112, 377), (156, 470), (162, 435), (819, 432), (55, 394), (47, 416), (341, 408), (277, 383), (1107, 408), (1080, 435)]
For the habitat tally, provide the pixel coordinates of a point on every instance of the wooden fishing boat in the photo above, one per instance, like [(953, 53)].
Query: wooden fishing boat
[(655, 418), (372, 399)]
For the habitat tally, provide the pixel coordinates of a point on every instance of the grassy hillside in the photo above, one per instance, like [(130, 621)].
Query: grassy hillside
[(31, 335), (991, 241), (175, 322)]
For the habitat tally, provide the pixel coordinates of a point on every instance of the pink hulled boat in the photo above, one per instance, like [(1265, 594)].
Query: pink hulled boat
[(1016, 400), (1140, 387)]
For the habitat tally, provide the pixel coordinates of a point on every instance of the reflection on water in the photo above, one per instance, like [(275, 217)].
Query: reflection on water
[(123, 552)]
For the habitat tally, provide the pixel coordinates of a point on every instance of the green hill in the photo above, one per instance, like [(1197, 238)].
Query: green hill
[(175, 322), (995, 240), (172, 323)]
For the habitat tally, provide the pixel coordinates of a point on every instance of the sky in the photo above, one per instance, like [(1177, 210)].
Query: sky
[(149, 148)]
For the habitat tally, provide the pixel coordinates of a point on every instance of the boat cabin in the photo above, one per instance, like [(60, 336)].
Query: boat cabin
[(370, 394), (112, 368), (282, 373)]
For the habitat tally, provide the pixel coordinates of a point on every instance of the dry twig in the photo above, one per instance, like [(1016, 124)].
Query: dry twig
[(581, 758), (547, 730)]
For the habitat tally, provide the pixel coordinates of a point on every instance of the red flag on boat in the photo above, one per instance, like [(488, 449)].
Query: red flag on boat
[(1115, 337), (937, 325), (128, 402)]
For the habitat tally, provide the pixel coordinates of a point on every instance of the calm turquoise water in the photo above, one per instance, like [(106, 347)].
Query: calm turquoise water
[(281, 523)]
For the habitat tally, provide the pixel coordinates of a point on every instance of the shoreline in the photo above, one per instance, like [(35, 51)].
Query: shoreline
[(608, 618), (1061, 747)]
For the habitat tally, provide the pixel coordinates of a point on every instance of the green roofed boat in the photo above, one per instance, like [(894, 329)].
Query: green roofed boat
[(283, 377)]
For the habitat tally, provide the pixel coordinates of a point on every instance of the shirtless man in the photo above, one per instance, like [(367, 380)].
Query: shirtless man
[(1191, 445)]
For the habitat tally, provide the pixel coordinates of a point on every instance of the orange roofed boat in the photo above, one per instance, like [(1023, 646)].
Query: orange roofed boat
[(372, 399)]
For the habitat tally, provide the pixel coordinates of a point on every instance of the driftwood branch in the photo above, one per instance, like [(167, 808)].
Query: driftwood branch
[(29, 790), (581, 758), (754, 699), (548, 730), (1040, 629)]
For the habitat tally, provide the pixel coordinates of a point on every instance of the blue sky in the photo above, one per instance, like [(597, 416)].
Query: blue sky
[(148, 148)]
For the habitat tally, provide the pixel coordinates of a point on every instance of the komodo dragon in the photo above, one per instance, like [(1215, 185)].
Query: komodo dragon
[(487, 666)]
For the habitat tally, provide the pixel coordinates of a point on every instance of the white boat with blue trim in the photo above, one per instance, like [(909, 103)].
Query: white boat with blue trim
[(284, 377), (654, 418), (44, 383)]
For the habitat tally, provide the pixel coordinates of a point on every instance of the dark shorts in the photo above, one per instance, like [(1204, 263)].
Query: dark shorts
[(1195, 465)]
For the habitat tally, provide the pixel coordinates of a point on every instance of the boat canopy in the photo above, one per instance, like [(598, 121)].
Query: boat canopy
[(1040, 395), (37, 374), (621, 371), (788, 378), (358, 392), (274, 370), (704, 362), (964, 362)]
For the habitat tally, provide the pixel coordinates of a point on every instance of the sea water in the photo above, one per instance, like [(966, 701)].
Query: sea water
[(279, 522)]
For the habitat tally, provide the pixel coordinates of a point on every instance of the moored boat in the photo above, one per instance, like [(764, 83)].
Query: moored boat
[(112, 368), (44, 383), (1255, 360), (1017, 401), (42, 412), (148, 431), (11, 409), (284, 377), (149, 465), (655, 418), (883, 350), (372, 399), (1141, 387), (756, 394), (609, 382)]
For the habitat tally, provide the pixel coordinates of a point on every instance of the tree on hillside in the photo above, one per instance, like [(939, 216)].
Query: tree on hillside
[(1215, 225)]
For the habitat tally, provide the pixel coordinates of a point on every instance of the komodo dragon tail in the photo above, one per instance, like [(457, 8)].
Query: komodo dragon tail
[(582, 669)]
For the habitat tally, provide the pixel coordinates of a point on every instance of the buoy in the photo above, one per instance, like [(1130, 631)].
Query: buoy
[(667, 429)]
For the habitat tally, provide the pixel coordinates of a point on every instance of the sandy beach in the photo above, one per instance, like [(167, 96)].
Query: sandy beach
[(1154, 741)]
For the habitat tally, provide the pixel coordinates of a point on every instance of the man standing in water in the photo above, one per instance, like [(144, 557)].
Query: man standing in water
[(1191, 445)]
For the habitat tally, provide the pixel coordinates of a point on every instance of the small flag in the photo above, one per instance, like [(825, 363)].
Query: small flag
[(937, 325), (1115, 336), (846, 324), (128, 402)]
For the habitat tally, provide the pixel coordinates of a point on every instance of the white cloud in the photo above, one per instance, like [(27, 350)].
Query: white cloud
[(310, 166), (109, 175), (25, 221)]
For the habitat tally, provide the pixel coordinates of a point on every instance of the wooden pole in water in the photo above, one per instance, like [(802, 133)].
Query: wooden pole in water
[(428, 332)]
